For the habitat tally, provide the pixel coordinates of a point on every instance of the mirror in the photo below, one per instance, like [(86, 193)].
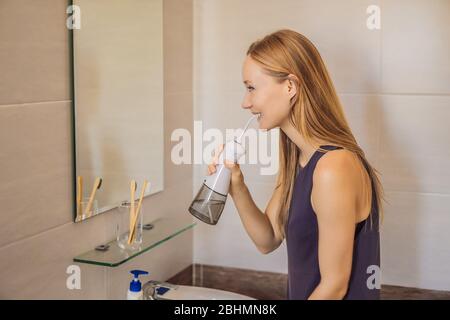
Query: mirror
[(118, 102)]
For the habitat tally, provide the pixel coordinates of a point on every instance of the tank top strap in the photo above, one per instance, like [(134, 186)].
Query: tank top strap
[(316, 156), (329, 147), (373, 217)]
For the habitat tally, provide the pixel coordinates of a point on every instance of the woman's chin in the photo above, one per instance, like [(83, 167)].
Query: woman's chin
[(260, 124), (263, 125)]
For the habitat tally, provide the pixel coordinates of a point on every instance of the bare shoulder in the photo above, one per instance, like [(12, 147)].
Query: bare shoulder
[(337, 163), (335, 181)]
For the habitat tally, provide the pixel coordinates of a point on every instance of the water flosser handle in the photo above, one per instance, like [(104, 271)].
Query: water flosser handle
[(220, 180), (233, 151)]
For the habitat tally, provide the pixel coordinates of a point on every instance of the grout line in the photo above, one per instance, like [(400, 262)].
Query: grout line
[(30, 237), (381, 47), (381, 93), (418, 192), (414, 94), (395, 94), (379, 108), (31, 103), (201, 275)]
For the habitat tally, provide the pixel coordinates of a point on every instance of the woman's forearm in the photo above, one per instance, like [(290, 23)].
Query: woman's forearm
[(255, 222), (329, 291)]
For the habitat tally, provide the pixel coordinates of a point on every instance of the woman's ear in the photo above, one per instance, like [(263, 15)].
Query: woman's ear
[(292, 85)]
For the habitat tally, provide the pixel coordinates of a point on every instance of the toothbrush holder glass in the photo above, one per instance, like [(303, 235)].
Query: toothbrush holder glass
[(123, 227), (83, 212)]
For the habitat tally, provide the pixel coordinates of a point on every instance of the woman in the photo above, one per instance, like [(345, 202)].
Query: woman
[(327, 198)]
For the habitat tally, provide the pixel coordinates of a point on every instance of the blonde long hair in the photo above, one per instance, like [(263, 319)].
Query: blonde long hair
[(316, 111)]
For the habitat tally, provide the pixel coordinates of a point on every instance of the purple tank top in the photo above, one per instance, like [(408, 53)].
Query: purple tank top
[(302, 243)]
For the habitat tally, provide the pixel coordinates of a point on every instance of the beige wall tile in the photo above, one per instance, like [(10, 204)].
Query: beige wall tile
[(178, 44), (35, 268), (362, 112), (36, 169), (414, 143), (178, 115), (416, 46), (225, 29), (34, 51), (414, 241)]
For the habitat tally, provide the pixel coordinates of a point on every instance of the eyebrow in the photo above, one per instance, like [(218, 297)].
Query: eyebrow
[(247, 82)]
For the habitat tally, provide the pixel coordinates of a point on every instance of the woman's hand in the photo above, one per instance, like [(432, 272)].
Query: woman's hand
[(237, 178)]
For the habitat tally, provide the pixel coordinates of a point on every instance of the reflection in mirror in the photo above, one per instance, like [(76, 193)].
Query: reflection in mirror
[(118, 102)]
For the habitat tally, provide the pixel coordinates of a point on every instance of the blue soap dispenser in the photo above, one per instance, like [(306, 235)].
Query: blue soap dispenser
[(135, 290)]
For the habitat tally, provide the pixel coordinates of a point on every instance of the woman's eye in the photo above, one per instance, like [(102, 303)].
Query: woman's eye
[(250, 88)]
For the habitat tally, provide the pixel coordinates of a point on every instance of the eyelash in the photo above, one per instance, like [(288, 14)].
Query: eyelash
[(248, 88)]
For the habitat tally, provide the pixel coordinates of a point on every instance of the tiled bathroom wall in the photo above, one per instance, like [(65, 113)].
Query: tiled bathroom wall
[(395, 87), (37, 236)]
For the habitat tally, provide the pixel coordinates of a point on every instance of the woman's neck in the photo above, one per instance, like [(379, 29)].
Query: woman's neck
[(306, 149)]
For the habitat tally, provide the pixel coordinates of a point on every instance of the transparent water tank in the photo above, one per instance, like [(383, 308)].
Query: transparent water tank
[(208, 205)]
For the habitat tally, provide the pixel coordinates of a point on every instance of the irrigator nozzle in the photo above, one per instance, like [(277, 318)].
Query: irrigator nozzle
[(238, 140)]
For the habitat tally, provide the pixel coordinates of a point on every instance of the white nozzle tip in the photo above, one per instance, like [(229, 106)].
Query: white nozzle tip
[(257, 115)]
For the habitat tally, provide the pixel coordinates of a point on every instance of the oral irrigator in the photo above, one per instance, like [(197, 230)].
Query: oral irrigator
[(210, 200)]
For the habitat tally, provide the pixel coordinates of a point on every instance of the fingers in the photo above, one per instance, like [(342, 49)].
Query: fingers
[(236, 174), (211, 169), (219, 149), (234, 167), (231, 165), (215, 160)]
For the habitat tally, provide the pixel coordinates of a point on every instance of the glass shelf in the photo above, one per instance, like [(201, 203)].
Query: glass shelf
[(163, 230)]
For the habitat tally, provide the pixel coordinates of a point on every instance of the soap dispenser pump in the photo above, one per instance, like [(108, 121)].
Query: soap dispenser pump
[(135, 290)]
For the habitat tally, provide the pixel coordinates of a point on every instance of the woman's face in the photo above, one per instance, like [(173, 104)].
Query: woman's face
[(266, 96)]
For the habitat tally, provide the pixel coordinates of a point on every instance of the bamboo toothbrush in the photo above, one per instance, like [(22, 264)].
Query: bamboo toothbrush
[(97, 184), (136, 215), (133, 187), (79, 196)]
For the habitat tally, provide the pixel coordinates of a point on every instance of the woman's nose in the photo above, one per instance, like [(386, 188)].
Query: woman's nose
[(246, 104)]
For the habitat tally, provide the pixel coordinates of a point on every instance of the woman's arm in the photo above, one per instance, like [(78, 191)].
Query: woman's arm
[(334, 201), (259, 226)]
